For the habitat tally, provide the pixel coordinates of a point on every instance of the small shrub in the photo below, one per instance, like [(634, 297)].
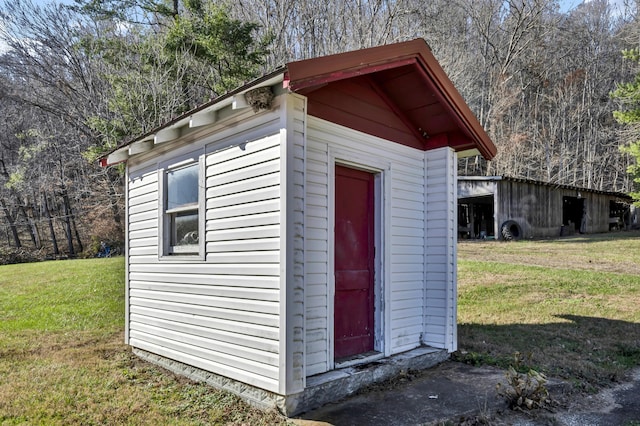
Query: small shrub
[(524, 390), (12, 255)]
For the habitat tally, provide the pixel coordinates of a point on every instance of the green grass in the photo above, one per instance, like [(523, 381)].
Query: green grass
[(63, 360), (573, 305), (63, 296), (570, 304)]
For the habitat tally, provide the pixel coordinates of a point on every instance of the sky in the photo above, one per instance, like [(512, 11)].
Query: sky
[(566, 5)]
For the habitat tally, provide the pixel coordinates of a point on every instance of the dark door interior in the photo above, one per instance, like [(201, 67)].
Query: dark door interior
[(572, 212)]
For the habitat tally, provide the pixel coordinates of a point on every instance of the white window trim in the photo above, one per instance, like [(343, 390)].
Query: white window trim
[(189, 253)]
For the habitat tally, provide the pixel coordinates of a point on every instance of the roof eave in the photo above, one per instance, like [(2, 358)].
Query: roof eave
[(323, 70), (121, 152)]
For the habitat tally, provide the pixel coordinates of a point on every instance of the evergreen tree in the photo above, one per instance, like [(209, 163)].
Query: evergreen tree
[(628, 94)]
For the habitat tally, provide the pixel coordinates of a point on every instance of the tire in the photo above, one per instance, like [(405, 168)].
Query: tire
[(511, 231)]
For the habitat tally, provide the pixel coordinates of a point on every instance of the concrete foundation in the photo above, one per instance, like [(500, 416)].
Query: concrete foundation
[(320, 389)]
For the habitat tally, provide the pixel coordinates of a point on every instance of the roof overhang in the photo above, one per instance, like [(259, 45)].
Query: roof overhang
[(409, 81), (203, 115)]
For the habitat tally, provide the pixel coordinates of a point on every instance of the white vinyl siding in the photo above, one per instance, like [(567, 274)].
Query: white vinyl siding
[(407, 252), (316, 257), (403, 284), (221, 313), (441, 231), (292, 285)]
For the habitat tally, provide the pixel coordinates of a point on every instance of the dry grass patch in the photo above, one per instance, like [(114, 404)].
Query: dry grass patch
[(610, 252)]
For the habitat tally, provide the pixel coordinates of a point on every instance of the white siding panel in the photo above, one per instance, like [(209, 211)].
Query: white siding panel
[(440, 295), (143, 242), (147, 198), (242, 210), (261, 169), (143, 233), (143, 251), (144, 186), (248, 184), (259, 306), (261, 194), (200, 347), (182, 325), (272, 244), (208, 279), (246, 257), (253, 232), (244, 331), (206, 290), (218, 163), (255, 149), (201, 337), (258, 219), (151, 206), (208, 311), (144, 220), (221, 314), (203, 360)]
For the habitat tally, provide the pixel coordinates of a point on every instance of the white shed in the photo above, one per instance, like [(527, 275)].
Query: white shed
[(299, 226)]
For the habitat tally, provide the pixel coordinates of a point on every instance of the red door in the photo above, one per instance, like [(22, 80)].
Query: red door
[(354, 260)]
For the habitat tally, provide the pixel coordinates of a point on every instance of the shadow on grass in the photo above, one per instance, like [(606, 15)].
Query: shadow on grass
[(589, 352)]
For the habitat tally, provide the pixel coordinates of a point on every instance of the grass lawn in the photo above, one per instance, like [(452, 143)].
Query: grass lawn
[(63, 360), (573, 304)]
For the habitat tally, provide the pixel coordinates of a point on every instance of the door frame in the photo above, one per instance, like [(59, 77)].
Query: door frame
[(381, 197)]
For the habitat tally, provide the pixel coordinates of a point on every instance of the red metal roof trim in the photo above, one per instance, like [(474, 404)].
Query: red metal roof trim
[(316, 72)]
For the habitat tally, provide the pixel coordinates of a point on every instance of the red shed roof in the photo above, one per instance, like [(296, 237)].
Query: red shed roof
[(398, 92)]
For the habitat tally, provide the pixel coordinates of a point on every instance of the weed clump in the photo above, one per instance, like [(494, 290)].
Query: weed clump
[(524, 390)]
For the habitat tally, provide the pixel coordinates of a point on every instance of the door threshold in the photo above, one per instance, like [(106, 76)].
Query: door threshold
[(362, 358)]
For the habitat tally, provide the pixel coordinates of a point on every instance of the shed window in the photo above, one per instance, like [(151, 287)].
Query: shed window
[(182, 209)]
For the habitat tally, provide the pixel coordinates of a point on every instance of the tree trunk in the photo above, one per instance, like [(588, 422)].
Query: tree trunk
[(75, 231), (11, 222), (67, 221), (47, 213)]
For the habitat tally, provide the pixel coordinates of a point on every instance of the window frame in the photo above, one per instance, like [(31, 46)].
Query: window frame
[(190, 252)]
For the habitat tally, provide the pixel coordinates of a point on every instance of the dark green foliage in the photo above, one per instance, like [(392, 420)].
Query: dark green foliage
[(628, 94), (182, 56)]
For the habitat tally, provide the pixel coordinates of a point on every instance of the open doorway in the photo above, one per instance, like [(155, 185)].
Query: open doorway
[(475, 217), (573, 215)]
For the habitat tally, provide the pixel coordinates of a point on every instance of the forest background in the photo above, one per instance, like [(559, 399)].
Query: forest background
[(78, 78)]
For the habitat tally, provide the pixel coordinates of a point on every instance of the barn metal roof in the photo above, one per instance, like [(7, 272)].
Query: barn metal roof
[(621, 195), (397, 92)]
